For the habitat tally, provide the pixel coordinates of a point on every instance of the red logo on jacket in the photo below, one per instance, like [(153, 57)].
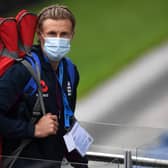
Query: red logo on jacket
[(44, 87)]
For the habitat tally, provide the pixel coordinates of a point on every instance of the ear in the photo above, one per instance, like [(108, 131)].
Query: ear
[(40, 38), (73, 33)]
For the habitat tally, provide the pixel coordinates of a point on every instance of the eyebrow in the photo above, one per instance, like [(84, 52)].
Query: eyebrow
[(52, 32)]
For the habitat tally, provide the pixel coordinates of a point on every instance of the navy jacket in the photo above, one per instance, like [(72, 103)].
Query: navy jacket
[(16, 112)]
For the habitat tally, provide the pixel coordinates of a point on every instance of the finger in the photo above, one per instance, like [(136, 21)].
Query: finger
[(48, 114), (53, 129), (54, 117), (55, 123), (51, 117)]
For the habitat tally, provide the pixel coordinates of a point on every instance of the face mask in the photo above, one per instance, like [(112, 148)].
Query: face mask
[(56, 48)]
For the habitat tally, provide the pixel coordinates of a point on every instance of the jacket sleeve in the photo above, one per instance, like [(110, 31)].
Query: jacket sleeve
[(11, 86)]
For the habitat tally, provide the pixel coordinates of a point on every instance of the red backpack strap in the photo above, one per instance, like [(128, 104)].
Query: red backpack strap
[(26, 24), (20, 14)]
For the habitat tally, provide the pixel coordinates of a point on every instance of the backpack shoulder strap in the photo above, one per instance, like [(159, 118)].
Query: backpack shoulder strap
[(31, 86), (33, 66)]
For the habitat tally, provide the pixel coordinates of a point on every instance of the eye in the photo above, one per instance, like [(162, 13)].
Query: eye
[(51, 34), (64, 34)]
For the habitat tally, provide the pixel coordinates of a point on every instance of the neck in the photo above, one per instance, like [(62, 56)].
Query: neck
[(54, 65)]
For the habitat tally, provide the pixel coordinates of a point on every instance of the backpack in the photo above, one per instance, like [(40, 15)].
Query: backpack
[(16, 39)]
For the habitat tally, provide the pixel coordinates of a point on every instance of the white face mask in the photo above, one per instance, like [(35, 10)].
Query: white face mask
[(56, 48)]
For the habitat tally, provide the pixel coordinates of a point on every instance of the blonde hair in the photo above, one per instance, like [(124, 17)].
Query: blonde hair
[(55, 12)]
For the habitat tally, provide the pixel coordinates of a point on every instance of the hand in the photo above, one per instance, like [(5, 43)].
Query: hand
[(47, 125)]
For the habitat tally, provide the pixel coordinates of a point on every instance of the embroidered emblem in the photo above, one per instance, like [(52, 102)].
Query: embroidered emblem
[(69, 89), (44, 86)]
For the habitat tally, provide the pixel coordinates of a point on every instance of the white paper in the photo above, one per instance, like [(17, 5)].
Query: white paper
[(69, 142), (78, 138)]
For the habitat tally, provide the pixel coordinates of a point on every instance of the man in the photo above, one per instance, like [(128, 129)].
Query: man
[(55, 30)]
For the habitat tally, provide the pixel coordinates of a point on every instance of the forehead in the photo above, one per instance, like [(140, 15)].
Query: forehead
[(57, 25)]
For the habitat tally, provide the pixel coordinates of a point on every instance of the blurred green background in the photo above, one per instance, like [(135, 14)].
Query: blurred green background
[(110, 34)]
